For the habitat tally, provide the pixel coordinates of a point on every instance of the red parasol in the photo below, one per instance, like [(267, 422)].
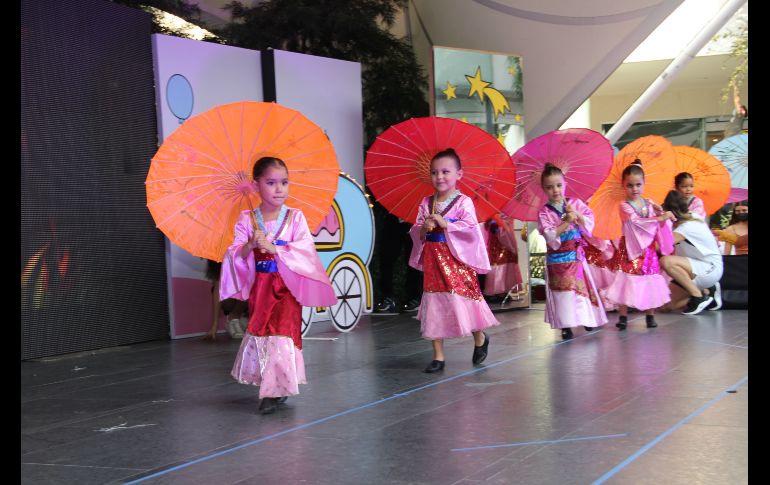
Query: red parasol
[(398, 165)]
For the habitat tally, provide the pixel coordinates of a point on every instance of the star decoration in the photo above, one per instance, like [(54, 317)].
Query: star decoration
[(449, 91), (477, 84)]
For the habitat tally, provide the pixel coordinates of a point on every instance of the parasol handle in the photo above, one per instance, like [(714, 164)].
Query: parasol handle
[(254, 220)]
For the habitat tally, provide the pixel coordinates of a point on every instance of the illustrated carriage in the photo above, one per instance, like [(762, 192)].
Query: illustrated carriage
[(345, 241)]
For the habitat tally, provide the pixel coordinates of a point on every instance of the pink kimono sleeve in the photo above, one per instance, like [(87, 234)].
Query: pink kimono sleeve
[(640, 232), (697, 208), (587, 229), (300, 268), (415, 257), (547, 222), (237, 274), (464, 237)]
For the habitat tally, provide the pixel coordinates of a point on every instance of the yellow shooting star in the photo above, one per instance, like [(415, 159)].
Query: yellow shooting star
[(477, 84), (499, 103), (517, 118), (449, 91)]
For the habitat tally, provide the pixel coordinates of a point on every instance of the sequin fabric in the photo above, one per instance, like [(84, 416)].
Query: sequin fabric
[(445, 274), (499, 254), (595, 257), (646, 264)]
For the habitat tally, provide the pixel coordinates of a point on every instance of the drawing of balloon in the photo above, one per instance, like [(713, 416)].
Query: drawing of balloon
[(179, 96)]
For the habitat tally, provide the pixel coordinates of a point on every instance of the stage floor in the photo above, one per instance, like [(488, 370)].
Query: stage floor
[(666, 405)]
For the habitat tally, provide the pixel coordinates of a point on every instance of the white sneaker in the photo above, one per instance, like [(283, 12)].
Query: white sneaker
[(717, 294), (244, 323), (234, 328)]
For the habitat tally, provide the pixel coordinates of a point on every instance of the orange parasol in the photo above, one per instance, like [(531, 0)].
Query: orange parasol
[(710, 177), (200, 178), (657, 156)]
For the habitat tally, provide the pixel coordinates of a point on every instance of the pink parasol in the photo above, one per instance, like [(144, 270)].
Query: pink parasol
[(583, 155)]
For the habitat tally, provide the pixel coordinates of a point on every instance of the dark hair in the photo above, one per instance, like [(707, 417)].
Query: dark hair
[(743, 203), (634, 169), (548, 170), (264, 163), (676, 203), (451, 153), (681, 177)]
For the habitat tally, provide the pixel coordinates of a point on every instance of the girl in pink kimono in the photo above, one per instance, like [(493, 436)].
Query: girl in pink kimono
[(638, 281), (273, 264), (572, 298), (685, 184), (448, 247), (503, 255)]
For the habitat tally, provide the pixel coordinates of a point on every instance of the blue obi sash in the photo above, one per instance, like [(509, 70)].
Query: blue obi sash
[(565, 257), (569, 235), (435, 237), (269, 265)]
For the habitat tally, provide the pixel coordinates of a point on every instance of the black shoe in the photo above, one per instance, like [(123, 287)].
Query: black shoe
[(282, 399), (480, 352), (697, 304), (268, 405), (622, 323), (716, 292), (411, 306), (651, 323), (386, 307), (566, 333), (434, 366), (589, 329)]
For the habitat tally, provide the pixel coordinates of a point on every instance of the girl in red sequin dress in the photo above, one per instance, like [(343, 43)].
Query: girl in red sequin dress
[(638, 282), (448, 247)]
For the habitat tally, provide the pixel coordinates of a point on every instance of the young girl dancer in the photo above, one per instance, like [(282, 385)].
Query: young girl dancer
[(448, 247), (685, 185), (637, 281), (273, 264), (503, 258), (572, 298)]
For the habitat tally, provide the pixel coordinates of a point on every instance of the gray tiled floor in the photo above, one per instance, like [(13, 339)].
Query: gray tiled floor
[(641, 406)]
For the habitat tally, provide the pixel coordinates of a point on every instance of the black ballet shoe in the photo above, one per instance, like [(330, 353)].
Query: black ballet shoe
[(566, 333), (434, 366), (282, 399), (622, 323), (589, 329), (268, 405), (651, 323), (480, 352)]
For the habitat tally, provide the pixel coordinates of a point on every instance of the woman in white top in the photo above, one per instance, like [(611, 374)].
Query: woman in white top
[(696, 265)]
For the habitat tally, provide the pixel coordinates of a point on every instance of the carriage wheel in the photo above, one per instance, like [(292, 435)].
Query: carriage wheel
[(307, 318), (349, 289)]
